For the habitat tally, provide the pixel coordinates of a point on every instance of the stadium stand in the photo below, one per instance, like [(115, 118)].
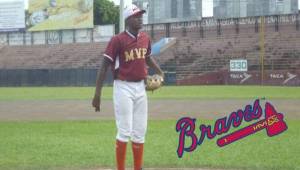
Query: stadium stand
[(200, 55), (203, 58), (58, 56)]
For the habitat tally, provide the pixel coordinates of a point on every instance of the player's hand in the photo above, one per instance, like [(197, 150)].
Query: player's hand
[(96, 103)]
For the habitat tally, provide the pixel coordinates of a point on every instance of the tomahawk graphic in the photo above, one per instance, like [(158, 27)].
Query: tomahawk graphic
[(273, 123)]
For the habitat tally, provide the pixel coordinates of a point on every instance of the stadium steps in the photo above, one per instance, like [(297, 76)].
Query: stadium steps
[(60, 56)]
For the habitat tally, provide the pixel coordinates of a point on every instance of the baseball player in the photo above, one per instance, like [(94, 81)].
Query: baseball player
[(128, 54)]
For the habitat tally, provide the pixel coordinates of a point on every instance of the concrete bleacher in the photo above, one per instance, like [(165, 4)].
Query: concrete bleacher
[(59, 56), (195, 55), (199, 52)]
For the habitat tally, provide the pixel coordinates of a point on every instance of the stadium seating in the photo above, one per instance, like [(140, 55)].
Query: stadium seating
[(199, 52), (194, 56), (76, 55)]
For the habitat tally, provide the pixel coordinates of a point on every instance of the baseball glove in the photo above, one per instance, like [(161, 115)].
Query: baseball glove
[(153, 82)]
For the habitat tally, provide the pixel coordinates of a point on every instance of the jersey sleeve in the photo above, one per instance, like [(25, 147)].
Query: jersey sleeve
[(112, 50)]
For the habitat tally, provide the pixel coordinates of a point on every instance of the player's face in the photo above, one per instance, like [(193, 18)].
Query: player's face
[(136, 22)]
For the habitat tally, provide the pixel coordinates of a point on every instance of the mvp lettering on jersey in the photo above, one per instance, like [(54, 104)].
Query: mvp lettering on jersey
[(137, 53)]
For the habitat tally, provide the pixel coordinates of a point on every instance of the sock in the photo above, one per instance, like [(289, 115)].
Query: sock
[(138, 150), (120, 154)]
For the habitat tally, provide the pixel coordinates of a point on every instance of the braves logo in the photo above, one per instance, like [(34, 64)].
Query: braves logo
[(273, 123)]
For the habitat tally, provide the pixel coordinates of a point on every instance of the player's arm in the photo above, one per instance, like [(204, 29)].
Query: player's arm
[(112, 50), (152, 64), (99, 83)]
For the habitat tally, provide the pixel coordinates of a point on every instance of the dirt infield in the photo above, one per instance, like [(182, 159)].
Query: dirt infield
[(166, 169), (158, 109)]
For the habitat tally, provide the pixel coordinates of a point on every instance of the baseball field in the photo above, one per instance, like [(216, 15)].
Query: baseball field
[(55, 128)]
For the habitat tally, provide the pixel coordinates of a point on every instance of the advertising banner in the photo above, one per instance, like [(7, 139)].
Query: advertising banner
[(59, 14), (12, 15)]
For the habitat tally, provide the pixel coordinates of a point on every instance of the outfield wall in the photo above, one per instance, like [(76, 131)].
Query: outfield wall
[(48, 77)]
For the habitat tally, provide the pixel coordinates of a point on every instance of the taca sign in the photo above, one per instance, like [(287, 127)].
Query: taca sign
[(273, 123)]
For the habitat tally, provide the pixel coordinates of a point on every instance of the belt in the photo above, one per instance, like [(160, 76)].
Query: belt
[(136, 81)]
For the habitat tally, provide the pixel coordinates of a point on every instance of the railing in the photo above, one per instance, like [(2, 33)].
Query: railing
[(201, 26)]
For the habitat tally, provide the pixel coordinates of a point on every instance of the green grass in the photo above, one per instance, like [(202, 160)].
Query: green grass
[(90, 144), (81, 145), (167, 92)]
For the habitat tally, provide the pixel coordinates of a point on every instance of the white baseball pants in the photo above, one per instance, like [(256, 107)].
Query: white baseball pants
[(131, 110)]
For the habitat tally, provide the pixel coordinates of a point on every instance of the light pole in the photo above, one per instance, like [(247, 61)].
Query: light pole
[(121, 22)]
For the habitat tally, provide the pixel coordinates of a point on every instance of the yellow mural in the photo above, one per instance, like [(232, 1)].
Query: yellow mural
[(59, 14)]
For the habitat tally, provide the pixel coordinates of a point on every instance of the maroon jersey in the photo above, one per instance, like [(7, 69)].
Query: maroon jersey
[(127, 54)]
